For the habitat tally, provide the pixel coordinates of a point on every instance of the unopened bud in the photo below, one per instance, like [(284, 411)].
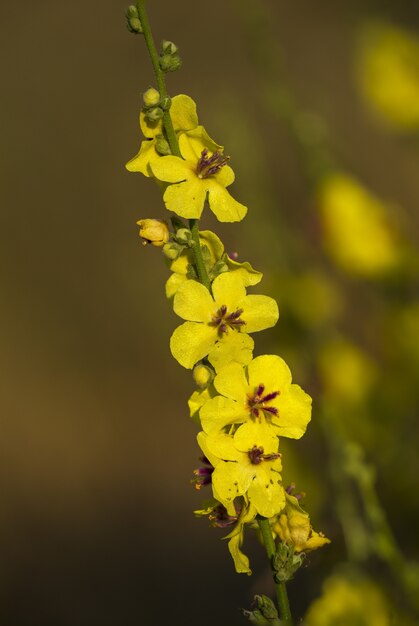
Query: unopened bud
[(133, 20), (184, 236), (202, 375), (153, 231), (168, 47), (166, 103), (154, 114), (170, 63), (172, 250), (162, 146), (151, 97)]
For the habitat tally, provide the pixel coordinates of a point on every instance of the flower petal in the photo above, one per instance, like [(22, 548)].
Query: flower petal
[(225, 176), (257, 434), (193, 302), (219, 412), (236, 347), (192, 144), (228, 289), (150, 129), (231, 382), (183, 113), (294, 413), (171, 169), (222, 446), (271, 371), (141, 161), (259, 312), (186, 199), (190, 342), (173, 283), (224, 207), (231, 480), (267, 496)]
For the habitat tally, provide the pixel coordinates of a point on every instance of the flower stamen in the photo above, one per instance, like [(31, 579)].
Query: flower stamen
[(256, 455), (258, 402), (209, 165), (224, 320)]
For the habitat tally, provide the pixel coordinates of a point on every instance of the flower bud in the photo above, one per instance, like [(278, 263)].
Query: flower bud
[(202, 375), (133, 21), (166, 103), (168, 47), (184, 236), (151, 97), (154, 114), (172, 250), (170, 63), (153, 231), (162, 146)]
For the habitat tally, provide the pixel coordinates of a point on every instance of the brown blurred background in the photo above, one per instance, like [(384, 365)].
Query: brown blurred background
[(96, 445)]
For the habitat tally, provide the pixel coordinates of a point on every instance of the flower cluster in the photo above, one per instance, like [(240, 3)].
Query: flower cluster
[(243, 404)]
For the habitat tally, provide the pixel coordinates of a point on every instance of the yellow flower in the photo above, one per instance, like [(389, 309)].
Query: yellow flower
[(214, 251), (184, 118), (388, 70), (214, 320), (261, 393), (236, 538), (357, 229), (155, 232), (349, 602), (246, 463), (201, 174), (293, 527)]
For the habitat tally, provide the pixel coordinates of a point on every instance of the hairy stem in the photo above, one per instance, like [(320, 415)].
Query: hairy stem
[(171, 134), (281, 589)]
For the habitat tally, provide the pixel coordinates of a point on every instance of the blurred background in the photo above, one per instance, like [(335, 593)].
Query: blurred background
[(318, 105)]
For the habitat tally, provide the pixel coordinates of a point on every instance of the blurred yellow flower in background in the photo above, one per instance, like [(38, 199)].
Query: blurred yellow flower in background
[(347, 602), (357, 229), (388, 73)]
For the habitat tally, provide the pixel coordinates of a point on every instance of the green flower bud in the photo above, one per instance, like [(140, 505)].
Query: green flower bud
[(162, 146), (133, 21), (184, 236), (172, 250), (266, 607), (154, 114), (168, 47), (166, 103), (286, 562), (170, 63), (151, 97), (219, 268), (203, 375)]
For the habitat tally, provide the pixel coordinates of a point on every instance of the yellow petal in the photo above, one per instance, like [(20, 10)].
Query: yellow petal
[(224, 207), (193, 302), (228, 289), (267, 496), (171, 169), (186, 199), (259, 312), (190, 342), (173, 283), (140, 162), (183, 113), (294, 412), (192, 144), (269, 370), (219, 412), (232, 383), (237, 347)]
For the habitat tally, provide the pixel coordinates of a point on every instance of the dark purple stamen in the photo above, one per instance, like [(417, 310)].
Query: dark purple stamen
[(203, 474), (224, 320), (220, 518), (210, 165), (256, 455), (258, 401)]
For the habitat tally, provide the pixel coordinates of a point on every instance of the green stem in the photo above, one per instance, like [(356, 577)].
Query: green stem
[(160, 77), (281, 589), (171, 134), (199, 261)]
